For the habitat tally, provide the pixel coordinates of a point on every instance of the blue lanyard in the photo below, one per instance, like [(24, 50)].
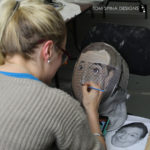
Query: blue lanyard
[(19, 75)]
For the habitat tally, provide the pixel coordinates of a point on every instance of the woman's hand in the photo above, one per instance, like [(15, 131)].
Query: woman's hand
[(91, 101), (91, 97)]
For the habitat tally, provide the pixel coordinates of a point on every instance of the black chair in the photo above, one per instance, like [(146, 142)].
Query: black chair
[(142, 7)]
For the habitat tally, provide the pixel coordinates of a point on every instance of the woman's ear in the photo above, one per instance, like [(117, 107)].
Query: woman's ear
[(47, 50)]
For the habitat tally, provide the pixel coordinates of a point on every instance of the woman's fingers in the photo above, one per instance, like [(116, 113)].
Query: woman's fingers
[(91, 97), (91, 87)]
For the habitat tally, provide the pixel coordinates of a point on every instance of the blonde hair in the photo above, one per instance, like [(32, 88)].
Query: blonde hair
[(1, 59), (23, 24)]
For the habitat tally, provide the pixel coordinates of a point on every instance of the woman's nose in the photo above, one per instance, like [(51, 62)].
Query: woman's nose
[(124, 136)]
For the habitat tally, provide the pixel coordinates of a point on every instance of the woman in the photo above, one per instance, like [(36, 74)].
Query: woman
[(33, 115)]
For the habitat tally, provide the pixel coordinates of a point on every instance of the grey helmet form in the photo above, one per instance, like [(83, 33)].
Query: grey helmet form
[(101, 63)]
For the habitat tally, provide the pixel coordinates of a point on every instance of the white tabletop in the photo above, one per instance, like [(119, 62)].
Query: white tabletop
[(69, 10)]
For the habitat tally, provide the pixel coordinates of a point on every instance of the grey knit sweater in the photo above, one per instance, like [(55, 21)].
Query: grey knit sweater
[(34, 116)]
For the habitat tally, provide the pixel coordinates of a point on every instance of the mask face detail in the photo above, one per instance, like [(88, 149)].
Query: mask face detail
[(101, 63)]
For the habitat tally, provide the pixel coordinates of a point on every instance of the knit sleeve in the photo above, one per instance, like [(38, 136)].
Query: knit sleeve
[(73, 131)]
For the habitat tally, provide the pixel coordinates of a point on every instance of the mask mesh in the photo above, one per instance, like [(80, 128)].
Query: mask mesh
[(98, 73)]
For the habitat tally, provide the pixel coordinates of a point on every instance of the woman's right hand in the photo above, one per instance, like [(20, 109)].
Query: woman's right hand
[(91, 97), (91, 102)]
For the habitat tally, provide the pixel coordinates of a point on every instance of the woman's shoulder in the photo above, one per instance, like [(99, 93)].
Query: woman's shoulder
[(56, 94), (62, 96)]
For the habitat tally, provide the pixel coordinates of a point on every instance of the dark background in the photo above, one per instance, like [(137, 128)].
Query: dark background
[(139, 85)]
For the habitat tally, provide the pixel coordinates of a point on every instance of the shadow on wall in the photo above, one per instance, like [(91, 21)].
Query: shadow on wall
[(131, 42)]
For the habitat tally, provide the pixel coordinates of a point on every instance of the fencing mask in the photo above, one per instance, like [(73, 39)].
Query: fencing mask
[(101, 63)]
